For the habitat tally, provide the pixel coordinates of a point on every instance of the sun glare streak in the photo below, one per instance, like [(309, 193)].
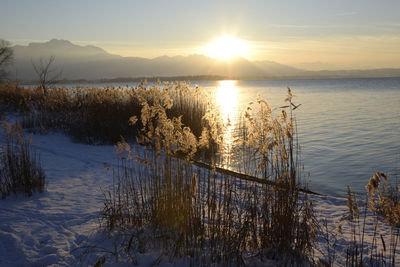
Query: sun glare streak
[(227, 101), (226, 48)]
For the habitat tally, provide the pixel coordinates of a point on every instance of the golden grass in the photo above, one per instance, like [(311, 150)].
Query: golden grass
[(101, 115), (160, 201)]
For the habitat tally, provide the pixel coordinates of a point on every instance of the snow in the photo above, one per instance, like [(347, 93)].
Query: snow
[(52, 228), (44, 229)]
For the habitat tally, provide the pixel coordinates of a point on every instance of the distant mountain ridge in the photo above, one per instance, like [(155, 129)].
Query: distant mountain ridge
[(92, 63)]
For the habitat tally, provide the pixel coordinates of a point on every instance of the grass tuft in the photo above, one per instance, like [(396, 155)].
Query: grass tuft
[(20, 170)]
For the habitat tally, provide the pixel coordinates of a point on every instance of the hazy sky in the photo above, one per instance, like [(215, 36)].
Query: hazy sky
[(330, 33)]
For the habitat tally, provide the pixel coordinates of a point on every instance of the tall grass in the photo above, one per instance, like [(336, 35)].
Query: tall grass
[(100, 115), (366, 246), (20, 168), (162, 202), (384, 199)]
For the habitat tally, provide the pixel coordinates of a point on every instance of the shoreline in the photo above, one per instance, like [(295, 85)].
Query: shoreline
[(202, 78)]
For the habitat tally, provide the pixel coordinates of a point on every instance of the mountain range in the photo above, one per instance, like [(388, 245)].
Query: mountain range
[(93, 63)]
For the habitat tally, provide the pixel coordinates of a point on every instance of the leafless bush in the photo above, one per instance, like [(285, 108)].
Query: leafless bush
[(6, 57), (47, 74)]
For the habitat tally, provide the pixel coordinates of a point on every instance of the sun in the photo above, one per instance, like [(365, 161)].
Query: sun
[(227, 48)]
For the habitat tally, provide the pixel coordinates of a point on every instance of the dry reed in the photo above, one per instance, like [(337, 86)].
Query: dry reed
[(159, 201), (20, 170), (99, 115)]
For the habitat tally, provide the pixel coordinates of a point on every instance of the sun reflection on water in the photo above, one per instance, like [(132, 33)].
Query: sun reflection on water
[(227, 101)]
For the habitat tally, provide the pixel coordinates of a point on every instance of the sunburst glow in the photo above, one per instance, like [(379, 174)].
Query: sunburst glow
[(226, 48)]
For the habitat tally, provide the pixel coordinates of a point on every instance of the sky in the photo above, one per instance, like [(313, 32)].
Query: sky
[(311, 34)]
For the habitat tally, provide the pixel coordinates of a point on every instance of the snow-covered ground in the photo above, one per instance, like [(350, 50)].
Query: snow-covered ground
[(43, 230), (50, 229)]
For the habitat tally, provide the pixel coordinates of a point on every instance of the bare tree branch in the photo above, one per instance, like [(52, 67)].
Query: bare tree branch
[(46, 73), (6, 57)]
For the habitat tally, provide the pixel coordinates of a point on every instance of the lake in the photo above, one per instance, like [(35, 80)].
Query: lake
[(348, 128)]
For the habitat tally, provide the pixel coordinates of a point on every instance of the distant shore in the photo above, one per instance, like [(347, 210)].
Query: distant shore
[(218, 78)]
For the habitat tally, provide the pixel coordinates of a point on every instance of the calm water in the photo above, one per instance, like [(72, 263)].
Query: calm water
[(348, 128)]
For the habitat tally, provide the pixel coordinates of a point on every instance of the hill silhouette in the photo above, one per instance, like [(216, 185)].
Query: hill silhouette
[(93, 63)]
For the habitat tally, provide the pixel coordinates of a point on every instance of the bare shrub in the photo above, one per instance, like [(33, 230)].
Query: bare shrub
[(47, 74), (6, 57)]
